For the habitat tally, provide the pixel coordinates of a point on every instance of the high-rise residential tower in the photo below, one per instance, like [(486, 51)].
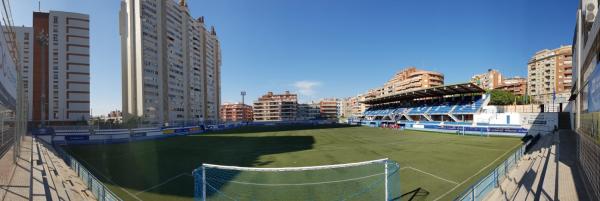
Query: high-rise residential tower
[(170, 63), (56, 66)]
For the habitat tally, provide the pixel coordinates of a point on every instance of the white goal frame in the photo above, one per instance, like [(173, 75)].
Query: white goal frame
[(293, 169)]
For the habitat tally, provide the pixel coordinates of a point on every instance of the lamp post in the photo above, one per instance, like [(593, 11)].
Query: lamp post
[(43, 40)]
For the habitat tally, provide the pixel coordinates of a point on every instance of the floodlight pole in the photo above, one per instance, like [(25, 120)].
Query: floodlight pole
[(243, 93)]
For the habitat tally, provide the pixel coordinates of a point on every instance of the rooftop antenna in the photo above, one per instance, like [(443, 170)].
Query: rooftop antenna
[(39, 6)]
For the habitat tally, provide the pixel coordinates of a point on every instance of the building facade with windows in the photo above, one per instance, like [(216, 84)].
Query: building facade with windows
[(24, 42), (58, 73), (515, 85), (329, 108), (276, 107), (308, 111), (550, 74), (489, 80), (412, 78), (236, 112), (171, 63)]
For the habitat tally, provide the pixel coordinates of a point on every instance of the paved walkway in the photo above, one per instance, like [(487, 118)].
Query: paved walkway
[(41, 175), (541, 175)]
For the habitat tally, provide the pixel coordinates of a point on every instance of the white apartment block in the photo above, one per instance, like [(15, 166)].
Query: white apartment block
[(57, 73), (24, 40), (170, 63)]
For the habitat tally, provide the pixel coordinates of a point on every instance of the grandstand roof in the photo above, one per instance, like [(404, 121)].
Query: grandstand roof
[(438, 91)]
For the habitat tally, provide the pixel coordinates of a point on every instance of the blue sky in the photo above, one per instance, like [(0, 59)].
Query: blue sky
[(338, 48)]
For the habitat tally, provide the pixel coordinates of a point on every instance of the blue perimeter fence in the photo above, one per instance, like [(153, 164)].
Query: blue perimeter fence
[(99, 190), (485, 185)]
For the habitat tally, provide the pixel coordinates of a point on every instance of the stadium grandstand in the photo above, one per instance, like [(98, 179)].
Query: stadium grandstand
[(456, 108)]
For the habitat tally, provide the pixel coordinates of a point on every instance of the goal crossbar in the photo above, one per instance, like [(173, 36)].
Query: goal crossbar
[(384, 172), (290, 169)]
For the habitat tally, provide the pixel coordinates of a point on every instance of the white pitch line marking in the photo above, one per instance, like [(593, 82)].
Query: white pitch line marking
[(163, 183), (438, 177), (461, 183)]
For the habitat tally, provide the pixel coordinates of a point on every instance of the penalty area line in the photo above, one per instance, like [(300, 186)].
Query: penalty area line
[(427, 173), (163, 183)]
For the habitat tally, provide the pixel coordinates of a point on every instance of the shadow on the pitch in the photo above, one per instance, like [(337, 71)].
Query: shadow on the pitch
[(414, 195), (278, 128), (150, 166)]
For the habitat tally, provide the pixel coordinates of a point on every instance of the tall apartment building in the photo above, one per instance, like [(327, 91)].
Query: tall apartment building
[(57, 73), (24, 41), (549, 72), (170, 63), (515, 85), (412, 78), (276, 107), (329, 108), (236, 112), (489, 80)]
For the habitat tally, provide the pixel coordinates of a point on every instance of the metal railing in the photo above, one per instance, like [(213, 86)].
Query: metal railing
[(99, 190), (485, 185)]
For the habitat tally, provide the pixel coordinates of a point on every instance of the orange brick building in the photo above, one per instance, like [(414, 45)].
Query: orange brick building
[(236, 112)]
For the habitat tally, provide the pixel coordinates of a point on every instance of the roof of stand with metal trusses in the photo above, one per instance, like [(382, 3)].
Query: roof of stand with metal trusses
[(463, 88)]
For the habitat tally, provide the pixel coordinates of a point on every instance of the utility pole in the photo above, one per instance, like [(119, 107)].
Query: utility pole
[(243, 93), (43, 39)]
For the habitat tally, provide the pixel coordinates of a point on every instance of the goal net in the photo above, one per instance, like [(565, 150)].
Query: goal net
[(369, 180)]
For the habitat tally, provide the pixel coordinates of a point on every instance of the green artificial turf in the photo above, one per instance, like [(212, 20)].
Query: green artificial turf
[(442, 164)]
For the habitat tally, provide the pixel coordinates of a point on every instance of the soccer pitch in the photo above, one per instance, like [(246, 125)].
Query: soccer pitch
[(442, 164)]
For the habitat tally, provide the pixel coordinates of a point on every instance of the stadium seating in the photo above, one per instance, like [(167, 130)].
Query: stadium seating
[(419, 110), (440, 108), (468, 107), (444, 108)]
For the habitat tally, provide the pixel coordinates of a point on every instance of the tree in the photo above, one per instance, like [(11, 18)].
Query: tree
[(501, 97), (523, 100), (131, 121)]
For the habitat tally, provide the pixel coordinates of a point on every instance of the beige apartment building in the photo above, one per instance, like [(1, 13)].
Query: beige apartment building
[(549, 72), (234, 112), (276, 107), (329, 108), (171, 63), (411, 78), (353, 106), (515, 85), (489, 80)]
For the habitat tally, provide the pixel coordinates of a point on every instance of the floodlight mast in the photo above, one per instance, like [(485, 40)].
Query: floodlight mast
[(243, 93)]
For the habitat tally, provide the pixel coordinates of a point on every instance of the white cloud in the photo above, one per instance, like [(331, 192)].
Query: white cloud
[(306, 87)]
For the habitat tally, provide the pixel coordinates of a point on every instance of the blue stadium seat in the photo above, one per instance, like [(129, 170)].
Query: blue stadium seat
[(441, 109), (468, 108)]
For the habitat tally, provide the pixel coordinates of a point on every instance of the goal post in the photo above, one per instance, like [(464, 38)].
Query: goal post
[(368, 180)]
